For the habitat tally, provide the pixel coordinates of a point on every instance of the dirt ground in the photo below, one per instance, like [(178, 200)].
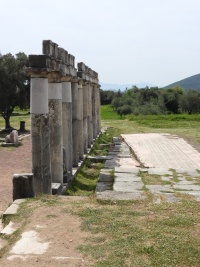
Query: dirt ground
[(54, 226), (13, 160)]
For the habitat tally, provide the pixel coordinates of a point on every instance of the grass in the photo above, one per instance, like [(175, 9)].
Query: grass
[(142, 234), (86, 178)]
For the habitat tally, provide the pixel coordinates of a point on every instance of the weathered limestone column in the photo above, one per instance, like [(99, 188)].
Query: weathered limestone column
[(75, 136), (85, 116), (40, 131), (94, 110), (90, 123), (67, 123), (80, 119), (55, 119), (98, 109)]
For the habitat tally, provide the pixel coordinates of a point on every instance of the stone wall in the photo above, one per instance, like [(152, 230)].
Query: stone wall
[(65, 115)]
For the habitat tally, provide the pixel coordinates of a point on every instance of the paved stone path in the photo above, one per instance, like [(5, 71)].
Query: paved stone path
[(166, 165)]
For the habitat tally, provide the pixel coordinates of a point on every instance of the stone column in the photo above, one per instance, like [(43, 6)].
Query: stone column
[(55, 119), (40, 134), (90, 124), (67, 124), (75, 135), (98, 109), (80, 119), (85, 116), (94, 110)]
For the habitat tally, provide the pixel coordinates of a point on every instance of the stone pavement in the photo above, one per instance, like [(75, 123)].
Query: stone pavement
[(162, 164)]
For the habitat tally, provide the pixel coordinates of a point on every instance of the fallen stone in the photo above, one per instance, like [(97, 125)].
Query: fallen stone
[(9, 229)]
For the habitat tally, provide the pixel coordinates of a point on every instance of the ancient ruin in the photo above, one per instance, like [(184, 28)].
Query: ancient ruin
[(65, 115)]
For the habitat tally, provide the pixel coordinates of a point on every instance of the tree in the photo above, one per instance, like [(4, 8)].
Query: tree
[(14, 85), (190, 102)]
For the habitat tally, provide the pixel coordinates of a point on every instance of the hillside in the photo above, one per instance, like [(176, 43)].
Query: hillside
[(192, 82)]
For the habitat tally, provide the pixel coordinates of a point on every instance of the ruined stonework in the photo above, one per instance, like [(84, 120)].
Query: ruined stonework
[(65, 115)]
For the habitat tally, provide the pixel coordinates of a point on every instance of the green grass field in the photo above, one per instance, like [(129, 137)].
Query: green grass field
[(136, 233)]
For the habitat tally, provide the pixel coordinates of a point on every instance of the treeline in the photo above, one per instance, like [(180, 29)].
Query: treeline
[(152, 101)]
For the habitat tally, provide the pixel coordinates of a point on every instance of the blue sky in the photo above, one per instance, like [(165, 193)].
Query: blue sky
[(129, 41)]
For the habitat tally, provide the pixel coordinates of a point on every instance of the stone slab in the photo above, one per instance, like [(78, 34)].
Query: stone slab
[(170, 197), (189, 171), (100, 158), (9, 229), (113, 196), (196, 194), (127, 170), (19, 201), (163, 151), (185, 182), (127, 186), (159, 188), (128, 179), (12, 210), (104, 177), (166, 178), (103, 186), (160, 171), (186, 187)]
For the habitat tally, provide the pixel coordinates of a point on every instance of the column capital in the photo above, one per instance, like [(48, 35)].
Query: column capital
[(54, 77), (66, 78), (38, 73), (74, 79)]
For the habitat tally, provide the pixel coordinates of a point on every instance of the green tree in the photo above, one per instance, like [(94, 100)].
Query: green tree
[(190, 102), (14, 85)]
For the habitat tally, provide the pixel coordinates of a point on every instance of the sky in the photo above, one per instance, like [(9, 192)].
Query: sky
[(125, 41)]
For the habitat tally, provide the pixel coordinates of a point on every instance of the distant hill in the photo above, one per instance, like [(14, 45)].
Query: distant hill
[(192, 82), (122, 87)]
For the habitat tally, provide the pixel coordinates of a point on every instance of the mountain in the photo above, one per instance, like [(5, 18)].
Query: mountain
[(192, 82), (122, 87)]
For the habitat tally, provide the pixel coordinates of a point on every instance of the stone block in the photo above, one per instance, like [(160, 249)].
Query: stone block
[(126, 177), (48, 48), (56, 189), (81, 66), (23, 186), (9, 229), (39, 61)]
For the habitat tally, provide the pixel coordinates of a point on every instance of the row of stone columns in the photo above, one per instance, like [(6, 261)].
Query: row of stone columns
[(65, 115)]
